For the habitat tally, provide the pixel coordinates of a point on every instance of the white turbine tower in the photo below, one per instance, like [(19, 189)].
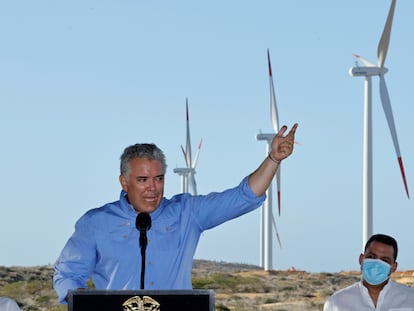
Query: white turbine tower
[(188, 183), (267, 218), (368, 71)]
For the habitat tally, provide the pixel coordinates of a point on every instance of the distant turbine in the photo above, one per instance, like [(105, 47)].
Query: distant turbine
[(267, 218), (368, 71), (188, 183)]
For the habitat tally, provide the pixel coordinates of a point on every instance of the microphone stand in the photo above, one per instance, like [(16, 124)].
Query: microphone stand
[(143, 244), (143, 223)]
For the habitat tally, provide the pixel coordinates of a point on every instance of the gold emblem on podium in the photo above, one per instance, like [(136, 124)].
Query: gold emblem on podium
[(137, 304)]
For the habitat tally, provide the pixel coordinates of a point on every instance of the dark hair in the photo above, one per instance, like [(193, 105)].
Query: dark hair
[(148, 151), (385, 239)]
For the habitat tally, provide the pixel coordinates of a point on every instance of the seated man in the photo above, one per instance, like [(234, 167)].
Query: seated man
[(375, 291)]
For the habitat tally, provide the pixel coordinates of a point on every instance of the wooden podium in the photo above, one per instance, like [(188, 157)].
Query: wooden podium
[(141, 300)]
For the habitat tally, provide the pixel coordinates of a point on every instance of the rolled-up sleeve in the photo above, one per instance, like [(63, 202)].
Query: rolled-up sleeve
[(218, 207)]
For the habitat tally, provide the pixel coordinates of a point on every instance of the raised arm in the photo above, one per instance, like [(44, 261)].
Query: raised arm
[(282, 147)]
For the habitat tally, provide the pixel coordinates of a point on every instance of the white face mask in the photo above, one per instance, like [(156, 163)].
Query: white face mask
[(375, 271)]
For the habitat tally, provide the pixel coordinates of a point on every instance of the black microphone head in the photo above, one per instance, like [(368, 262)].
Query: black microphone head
[(143, 221)]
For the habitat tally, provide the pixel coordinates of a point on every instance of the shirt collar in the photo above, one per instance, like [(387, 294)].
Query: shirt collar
[(125, 206), (128, 208)]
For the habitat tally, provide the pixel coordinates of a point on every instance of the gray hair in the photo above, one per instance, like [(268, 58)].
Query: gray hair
[(148, 151)]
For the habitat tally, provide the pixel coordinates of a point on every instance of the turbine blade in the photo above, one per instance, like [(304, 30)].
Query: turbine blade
[(386, 105), (192, 183), (364, 61), (385, 37), (278, 189), (273, 108), (197, 154), (275, 122), (182, 149), (188, 141), (276, 231)]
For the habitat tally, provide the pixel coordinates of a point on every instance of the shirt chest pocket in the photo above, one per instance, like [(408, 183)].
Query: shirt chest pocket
[(401, 309), (121, 234), (165, 235), (117, 240)]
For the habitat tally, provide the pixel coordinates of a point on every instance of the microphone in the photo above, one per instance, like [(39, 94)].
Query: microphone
[(143, 223)]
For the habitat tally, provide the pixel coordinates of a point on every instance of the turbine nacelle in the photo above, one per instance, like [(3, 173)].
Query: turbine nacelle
[(184, 171), (358, 71), (267, 137)]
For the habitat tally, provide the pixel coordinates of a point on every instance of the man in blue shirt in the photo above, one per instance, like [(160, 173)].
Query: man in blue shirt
[(104, 245)]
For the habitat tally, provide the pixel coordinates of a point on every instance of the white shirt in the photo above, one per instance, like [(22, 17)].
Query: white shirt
[(8, 304), (393, 297)]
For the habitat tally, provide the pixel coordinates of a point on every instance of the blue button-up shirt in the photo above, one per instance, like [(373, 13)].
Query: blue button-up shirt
[(105, 244)]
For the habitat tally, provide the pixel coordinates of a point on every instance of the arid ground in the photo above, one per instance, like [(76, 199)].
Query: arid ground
[(237, 286)]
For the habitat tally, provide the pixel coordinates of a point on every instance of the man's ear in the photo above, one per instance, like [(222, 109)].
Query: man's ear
[(361, 259), (394, 267), (124, 183)]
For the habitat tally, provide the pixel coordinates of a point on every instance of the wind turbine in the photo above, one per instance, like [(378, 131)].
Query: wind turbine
[(267, 218), (188, 183), (368, 71)]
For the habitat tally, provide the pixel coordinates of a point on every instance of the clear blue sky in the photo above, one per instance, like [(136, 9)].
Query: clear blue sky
[(81, 80)]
